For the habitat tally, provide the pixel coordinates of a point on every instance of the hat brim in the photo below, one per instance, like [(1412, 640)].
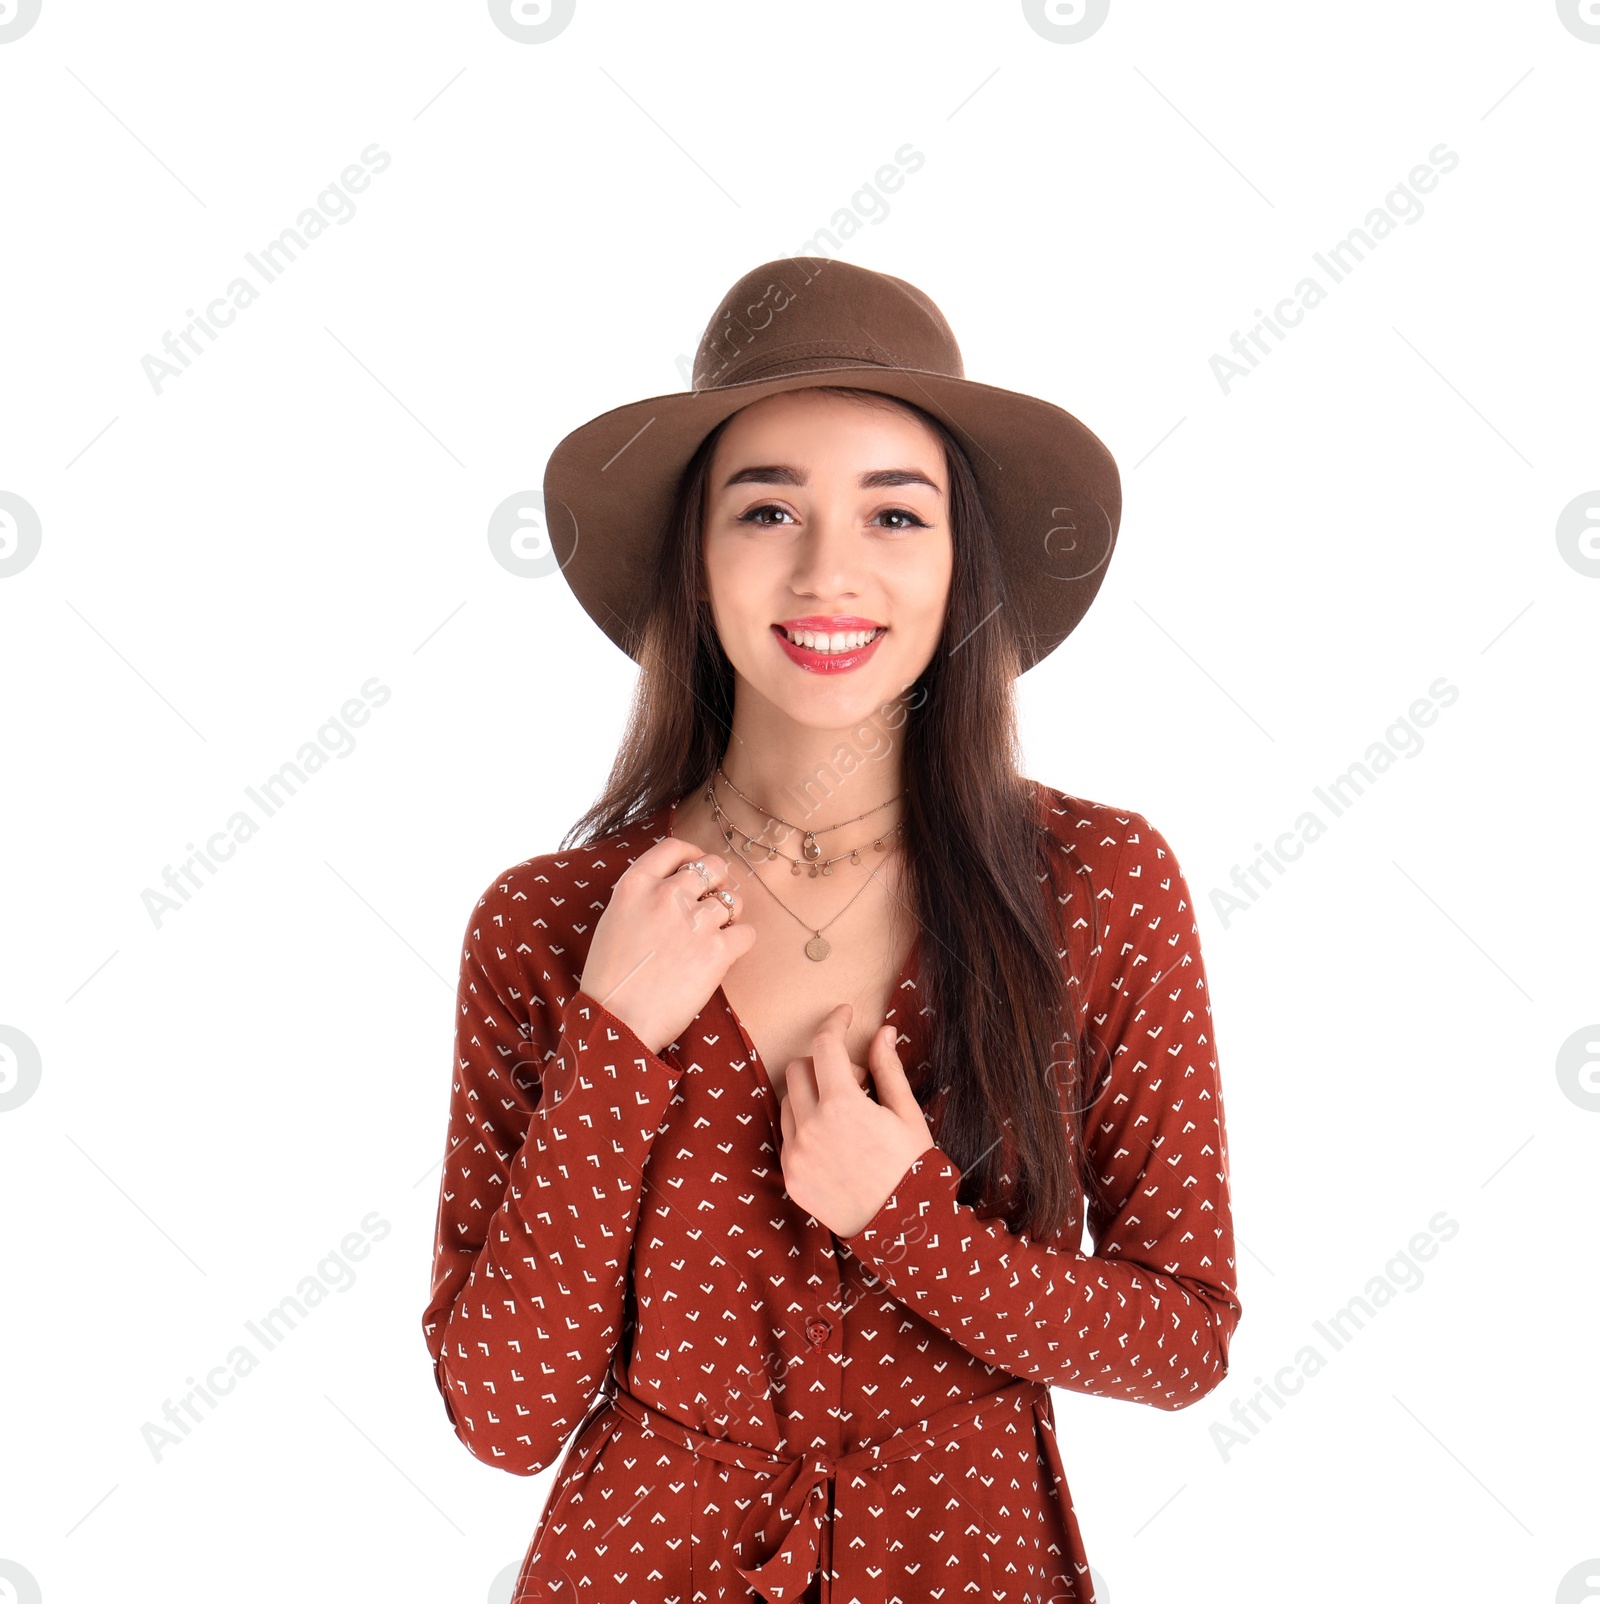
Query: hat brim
[(1051, 488)]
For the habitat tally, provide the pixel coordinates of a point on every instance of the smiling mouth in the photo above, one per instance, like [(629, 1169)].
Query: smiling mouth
[(830, 643), (832, 652)]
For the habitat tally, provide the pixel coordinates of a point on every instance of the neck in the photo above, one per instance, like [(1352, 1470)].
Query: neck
[(814, 778)]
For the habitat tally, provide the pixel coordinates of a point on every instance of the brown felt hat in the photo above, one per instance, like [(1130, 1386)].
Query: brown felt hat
[(1050, 486)]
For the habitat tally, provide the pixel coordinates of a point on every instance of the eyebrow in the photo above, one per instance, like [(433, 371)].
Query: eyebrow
[(783, 474)]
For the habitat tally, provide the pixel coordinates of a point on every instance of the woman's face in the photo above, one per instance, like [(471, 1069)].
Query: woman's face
[(832, 518)]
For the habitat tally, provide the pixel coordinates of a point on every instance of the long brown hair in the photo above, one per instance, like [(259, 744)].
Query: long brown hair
[(1004, 1024)]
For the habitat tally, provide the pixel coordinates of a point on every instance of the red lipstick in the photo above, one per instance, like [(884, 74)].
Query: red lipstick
[(828, 662), (831, 622)]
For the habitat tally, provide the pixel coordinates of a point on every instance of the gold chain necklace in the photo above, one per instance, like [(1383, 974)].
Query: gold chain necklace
[(809, 845), (818, 947)]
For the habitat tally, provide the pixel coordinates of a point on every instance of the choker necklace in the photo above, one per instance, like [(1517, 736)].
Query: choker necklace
[(818, 947), (809, 845)]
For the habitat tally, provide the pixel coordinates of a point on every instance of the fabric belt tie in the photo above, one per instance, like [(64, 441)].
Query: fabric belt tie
[(799, 1496)]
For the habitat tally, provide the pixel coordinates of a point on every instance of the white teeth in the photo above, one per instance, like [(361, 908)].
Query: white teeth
[(844, 641)]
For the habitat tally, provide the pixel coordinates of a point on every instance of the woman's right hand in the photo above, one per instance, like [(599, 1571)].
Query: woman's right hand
[(663, 945)]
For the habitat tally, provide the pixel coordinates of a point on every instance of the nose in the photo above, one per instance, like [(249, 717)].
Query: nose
[(827, 559)]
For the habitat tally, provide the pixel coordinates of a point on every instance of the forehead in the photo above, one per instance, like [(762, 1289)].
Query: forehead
[(798, 426)]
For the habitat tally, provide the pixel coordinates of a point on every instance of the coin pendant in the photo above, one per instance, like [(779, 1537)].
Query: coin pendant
[(817, 947)]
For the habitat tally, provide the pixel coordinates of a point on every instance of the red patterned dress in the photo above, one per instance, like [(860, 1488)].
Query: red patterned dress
[(757, 1408)]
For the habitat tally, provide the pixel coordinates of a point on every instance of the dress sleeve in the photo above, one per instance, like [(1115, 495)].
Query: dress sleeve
[(1149, 1314), (554, 1105)]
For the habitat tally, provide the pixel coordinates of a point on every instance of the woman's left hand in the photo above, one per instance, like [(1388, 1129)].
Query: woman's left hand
[(843, 1154)]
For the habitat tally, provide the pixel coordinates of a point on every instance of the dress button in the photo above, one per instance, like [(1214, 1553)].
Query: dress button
[(817, 1331)]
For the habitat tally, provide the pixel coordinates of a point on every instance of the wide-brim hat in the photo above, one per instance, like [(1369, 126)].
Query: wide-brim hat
[(1050, 486)]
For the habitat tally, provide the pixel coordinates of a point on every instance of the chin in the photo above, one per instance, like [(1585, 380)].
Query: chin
[(829, 703), (835, 701)]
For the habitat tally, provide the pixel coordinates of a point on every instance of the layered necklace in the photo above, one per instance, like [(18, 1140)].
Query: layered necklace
[(818, 947)]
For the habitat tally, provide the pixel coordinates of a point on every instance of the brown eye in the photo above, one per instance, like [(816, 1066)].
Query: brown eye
[(761, 523), (903, 512)]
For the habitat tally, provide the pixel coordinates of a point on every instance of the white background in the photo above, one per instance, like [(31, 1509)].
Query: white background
[(226, 1096)]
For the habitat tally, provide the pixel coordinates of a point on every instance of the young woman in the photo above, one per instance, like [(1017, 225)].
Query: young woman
[(786, 1090)]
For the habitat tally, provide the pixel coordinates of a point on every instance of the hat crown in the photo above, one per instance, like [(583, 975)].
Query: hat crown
[(805, 314)]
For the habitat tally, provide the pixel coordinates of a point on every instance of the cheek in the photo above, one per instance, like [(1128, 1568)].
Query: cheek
[(721, 575), (739, 583), (925, 593)]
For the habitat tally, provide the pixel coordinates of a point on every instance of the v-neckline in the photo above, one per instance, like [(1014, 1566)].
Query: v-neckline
[(766, 1091)]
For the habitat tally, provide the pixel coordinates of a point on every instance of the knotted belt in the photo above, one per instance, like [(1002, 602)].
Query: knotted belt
[(795, 1504)]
